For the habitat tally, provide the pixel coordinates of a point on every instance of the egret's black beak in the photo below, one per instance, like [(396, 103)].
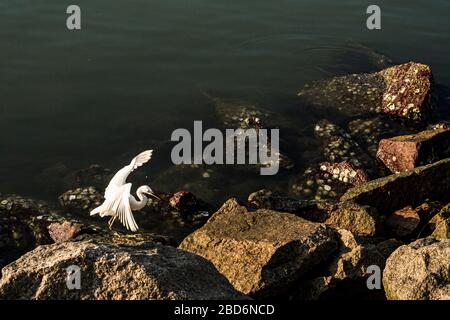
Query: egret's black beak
[(154, 195)]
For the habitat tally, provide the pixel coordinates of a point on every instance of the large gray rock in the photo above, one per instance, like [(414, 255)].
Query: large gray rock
[(146, 271), (261, 252), (419, 271)]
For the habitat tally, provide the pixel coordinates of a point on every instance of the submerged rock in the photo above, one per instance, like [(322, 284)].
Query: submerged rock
[(404, 153), (327, 180), (21, 226), (339, 146), (236, 115), (261, 253), (109, 272), (403, 91), (411, 188), (419, 271), (81, 199), (95, 175), (368, 132)]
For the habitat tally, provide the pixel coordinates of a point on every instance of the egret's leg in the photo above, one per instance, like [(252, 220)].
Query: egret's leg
[(111, 221)]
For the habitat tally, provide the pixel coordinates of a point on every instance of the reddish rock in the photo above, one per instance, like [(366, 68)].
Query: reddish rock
[(183, 201), (407, 92), (407, 152), (60, 232), (403, 222)]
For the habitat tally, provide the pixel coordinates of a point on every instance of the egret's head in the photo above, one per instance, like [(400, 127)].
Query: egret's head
[(147, 190)]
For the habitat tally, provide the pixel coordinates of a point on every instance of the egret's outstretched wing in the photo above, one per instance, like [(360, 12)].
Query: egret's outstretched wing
[(121, 176), (119, 204)]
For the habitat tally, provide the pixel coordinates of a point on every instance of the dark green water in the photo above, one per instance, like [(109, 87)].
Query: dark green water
[(138, 68)]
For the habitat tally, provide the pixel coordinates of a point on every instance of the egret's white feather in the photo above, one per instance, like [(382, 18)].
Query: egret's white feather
[(119, 202), (121, 176)]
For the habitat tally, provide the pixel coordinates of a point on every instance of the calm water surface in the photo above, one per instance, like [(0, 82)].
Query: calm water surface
[(138, 70)]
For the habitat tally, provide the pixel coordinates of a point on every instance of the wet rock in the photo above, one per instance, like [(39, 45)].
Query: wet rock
[(313, 210), (407, 152), (403, 222), (81, 199), (362, 221), (369, 132), (411, 188), (403, 91), (339, 146), (349, 267), (21, 226), (188, 204), (408, 91), (95, 175), (419, 271), (60, 232), (202, 180), (236, 115), (261, 252), (318, 183), (109, 272), (345, 172)]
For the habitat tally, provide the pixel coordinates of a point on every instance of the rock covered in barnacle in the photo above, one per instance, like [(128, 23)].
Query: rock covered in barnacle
[(368, 132), (236, 115), (403, 91), (316, 183), (408, 91), (338, 146), (345, 172), (402, 153), (81, 199)]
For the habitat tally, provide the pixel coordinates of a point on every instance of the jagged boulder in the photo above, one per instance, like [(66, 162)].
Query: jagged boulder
[(110, 272), (402, 153), (261, 252), (350, 267), (410, 188)]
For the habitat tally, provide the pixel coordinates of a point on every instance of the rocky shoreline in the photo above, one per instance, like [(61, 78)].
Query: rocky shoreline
[(374, 195)]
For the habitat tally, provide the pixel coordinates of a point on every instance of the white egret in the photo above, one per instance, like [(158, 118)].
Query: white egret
[(119, 203)]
